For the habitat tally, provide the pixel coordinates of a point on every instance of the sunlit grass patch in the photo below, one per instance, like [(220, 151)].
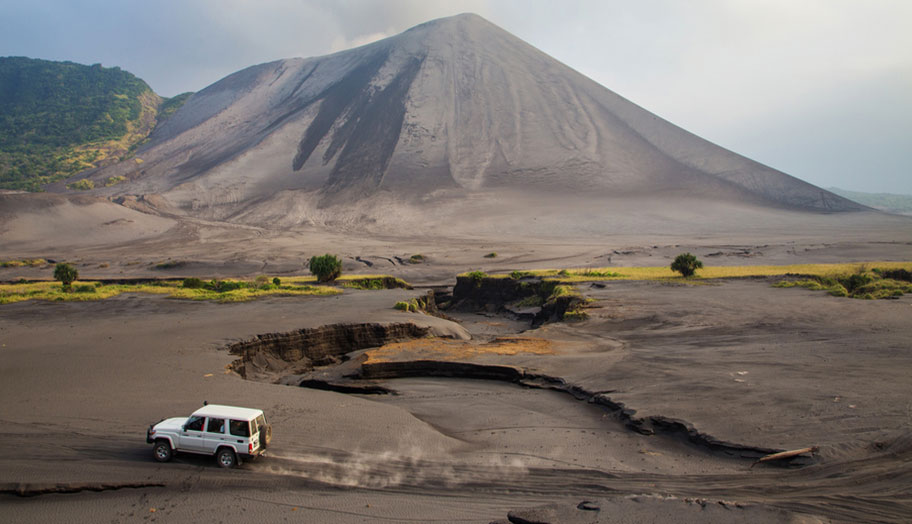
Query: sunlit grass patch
[(30, 262), (708, 272), (91, 290), (868, 281)]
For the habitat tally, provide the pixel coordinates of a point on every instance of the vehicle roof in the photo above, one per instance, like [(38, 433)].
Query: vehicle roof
[(218, 410)]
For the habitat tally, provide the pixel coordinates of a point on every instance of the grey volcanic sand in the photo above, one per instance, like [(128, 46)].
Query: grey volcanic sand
[(82, 381)]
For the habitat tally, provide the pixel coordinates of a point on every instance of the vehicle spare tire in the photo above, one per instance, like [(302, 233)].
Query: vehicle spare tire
[(266, 435)]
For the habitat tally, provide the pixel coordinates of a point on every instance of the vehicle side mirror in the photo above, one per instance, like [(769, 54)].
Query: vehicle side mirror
[(184, 427)]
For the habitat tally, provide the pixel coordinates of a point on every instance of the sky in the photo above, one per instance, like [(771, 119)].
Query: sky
[(820, 89)]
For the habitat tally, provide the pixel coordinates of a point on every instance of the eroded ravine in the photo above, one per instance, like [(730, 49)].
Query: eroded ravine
[(810, 488)]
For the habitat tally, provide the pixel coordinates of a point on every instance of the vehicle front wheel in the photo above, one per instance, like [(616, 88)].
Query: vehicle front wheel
[(162, 450), (226, 458)]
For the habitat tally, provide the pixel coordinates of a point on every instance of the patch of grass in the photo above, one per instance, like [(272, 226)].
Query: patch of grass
[(551, 289), (81, 185), (517, 275), (114, 180), (491, 255), (598, 273), (862, 283), (575, 315), (416, 259)]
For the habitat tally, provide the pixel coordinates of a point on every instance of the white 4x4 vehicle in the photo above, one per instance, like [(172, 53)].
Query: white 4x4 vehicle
[(227, 432)]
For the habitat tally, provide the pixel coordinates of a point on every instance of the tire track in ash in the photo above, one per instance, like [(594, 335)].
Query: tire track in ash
[(872, 488)]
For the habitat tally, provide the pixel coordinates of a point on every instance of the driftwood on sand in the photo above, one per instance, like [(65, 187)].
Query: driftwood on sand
[(786, 454)]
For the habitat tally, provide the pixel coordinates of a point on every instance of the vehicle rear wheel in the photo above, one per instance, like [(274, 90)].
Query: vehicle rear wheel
[(226, 458), (162, 450)]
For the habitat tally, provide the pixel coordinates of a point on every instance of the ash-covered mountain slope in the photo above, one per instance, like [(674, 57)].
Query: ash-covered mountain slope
[(448, 109)]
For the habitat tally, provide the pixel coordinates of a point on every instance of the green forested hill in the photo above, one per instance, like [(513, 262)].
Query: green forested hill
[(59, 118)]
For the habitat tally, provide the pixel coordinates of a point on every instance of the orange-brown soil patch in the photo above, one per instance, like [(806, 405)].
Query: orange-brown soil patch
[(436, 348)]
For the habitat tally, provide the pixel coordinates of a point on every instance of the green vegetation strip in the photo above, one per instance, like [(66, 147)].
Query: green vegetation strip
[(865, 280), (869, 285), (191, 288), (223, 291), (708, 272)]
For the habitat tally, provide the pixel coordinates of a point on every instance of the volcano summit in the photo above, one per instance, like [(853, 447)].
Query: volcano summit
[(454, 116)]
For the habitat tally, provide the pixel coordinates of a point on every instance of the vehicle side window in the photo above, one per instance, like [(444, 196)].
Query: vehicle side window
[(216, 425), (239, 428), (195, 424)]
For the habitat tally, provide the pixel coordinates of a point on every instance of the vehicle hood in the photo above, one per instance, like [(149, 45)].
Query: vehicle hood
[(170, 424)]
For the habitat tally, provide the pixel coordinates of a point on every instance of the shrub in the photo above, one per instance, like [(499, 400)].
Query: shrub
[(516, 275), (260, 282), (491, 255), (477, 277), (416, 259), (326, 267), (855, 281), (686, 264), (193, 283), (402, 306), (221, 286), (276, 281), (66, 274), (84, 288)]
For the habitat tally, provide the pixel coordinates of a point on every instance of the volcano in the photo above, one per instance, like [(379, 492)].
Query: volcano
[(452, 116)]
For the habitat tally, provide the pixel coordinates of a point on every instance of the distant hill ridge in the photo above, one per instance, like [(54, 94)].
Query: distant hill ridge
[(61, 118), (889, 202)]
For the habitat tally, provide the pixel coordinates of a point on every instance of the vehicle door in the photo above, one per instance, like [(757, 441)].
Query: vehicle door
[(191, 436), (214, 436), (239, 433)]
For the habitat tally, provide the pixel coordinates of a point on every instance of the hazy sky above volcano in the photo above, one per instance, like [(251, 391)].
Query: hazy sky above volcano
[(821, 89)]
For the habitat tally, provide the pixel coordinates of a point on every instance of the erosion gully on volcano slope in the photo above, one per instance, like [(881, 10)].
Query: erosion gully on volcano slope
[(536, 442)]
